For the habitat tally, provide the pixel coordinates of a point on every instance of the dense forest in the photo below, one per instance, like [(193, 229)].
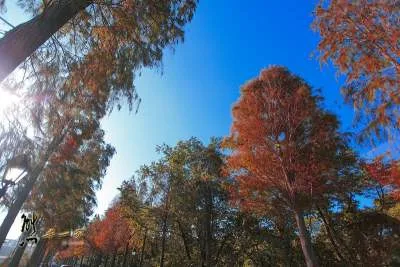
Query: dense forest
[(284, 188)]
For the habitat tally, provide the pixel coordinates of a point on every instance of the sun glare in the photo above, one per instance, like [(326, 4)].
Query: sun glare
[(7, 99)]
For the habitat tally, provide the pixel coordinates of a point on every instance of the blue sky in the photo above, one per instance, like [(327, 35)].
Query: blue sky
[(226, 44)]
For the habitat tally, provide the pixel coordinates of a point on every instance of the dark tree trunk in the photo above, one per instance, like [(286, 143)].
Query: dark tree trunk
[(23, 40), (113, 259), (143, 248), (19, 251), (125, 254), (106, 260), (185, 242), (305, 239), (22, 195), (208, 226), (38, 253), (331, 237), (164, 229)]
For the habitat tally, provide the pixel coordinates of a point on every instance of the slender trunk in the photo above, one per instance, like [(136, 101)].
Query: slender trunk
[(208, 226), (305, 239), (38, 253), (143, 247), (106, 260), (22, 195), (125, 254), (184, 239), (164, 229), (23, 40), (113, 259), (132, 260), (81, 262), (19, 251), (331, 237)]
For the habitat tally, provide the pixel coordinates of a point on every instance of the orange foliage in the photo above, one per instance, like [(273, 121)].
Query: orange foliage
[(361, 39), (282, 142), (387, 175), (112, 233)]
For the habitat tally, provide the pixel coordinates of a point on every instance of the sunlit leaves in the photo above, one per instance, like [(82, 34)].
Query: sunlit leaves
[(361, 39)]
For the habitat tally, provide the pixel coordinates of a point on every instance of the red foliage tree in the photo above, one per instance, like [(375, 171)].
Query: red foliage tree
[(387, 174), (283, 145), (362, 39), (112, 234)]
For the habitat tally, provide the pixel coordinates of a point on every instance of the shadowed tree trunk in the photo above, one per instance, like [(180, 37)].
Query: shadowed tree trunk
[(143, 248), (23, 40), (113, 259), (38, 253), (125, 254), (19, 251), (22, 194), (81, 262), (305, 239), (184, 239), (164, 228)]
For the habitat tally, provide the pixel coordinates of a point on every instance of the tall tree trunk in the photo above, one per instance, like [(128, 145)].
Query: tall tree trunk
[(143, 248), (331, 237), (184, 238), (19, 251), (208, 226), (305, 239), (125, 254), (23, 40), (38, 253), (106, 260), (113, 259), (82, 258), (22, 195), (164, 228)]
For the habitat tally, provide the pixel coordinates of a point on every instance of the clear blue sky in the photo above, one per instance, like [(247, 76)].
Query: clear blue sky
[(227, 44)]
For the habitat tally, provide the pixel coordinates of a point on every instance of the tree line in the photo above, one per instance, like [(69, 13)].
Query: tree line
[(285, 188)]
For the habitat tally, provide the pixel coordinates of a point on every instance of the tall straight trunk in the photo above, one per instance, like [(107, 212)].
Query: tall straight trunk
[(22, 194), (208, 226), (23, 40), (184, 239), (305, 239), (19, 251), (82, 258), (106, 260), (125, 254), (113, 259), (164, 228), (330, 234), (38, 253), (143, 248)]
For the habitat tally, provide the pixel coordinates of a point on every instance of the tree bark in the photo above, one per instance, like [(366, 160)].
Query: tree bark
[(208, 226), (184, 239), (125, 254), (22, 195), (113, 259), (143, 248), (38, 253), (164, 228), (26, 38), (19, 251), (305, 239)]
